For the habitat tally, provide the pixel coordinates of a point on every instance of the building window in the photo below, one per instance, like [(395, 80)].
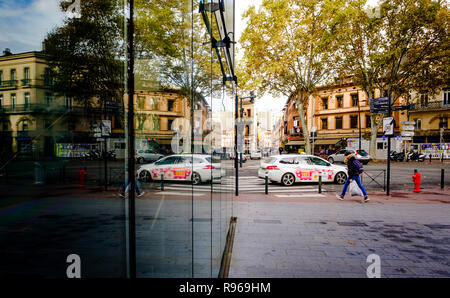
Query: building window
[(27, 101), (417, 124), (155, 104), (354, 121), (355, 100), (47, 77), (443, 122), (424, 98), (325, 103), (68, 102), (324, 123), (5, 125), (169, 124), (141, 102), (13, 101), (13, 75), (249, 112), (340, 101), (1, 77), (338, 122), (368, 123), (170, 105), (25, 125), (385, 93), (155, 122), (48, 98), (445, 96), (26, 76), (380, 146), (1, 101)]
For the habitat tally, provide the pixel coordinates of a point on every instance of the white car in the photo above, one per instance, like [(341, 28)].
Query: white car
[(148, 155), (196, 168), (256, 154), (291, 168)]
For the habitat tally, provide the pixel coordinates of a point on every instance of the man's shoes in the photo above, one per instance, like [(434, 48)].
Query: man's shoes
[(366, 199), (141, 194), (340, 198), (122, 195)]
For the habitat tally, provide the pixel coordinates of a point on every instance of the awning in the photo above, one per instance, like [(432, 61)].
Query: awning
[(295, 143), (326, 141)]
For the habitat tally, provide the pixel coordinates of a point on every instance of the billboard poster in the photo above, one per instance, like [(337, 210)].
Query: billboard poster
[(435, 149)]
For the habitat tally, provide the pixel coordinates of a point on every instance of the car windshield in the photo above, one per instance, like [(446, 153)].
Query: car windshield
[(318, 161), (167, 161), (362, 152), (288, 160)]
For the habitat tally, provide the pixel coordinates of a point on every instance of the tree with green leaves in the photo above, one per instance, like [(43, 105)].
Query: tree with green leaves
[(400, 46), (286, 50), (86, 54)]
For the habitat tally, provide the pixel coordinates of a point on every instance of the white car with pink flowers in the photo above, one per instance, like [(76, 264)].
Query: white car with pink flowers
[(195, 168), (291, 168)]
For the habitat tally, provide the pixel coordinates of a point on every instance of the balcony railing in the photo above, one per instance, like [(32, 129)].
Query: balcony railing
[(11, 84), (434, 105), (53, 108)]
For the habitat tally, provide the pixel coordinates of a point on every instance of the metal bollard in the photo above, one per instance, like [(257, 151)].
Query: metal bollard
[(38, 174), (442, 179), (267, 184), (415, 171), (162, 181), (320, 183)]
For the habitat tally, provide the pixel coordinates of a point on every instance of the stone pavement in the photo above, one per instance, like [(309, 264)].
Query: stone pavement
[(283, 237)]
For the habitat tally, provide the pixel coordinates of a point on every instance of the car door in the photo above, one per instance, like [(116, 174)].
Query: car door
[(165, 166), (323, 168), (340, 155), (304, 172)]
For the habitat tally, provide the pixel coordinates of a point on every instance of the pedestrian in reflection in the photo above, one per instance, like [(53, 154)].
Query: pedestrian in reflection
[(354, 169), (125, 189)]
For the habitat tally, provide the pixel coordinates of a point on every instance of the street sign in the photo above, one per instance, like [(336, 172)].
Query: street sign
[(408, 107), (408, 122), (407, 127), (388, 126), (407, 133), (106, 128)]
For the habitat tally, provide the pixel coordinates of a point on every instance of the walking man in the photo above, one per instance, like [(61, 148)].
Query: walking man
[(126, 187), (354, 169)]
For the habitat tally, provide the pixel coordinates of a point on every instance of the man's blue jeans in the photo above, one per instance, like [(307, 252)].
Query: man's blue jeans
[(125, 187), (358, 181)]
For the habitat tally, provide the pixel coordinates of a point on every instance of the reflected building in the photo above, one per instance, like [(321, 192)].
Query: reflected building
[(37, 122)]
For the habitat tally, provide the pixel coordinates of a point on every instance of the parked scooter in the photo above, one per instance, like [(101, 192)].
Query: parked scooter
[(111, 155), (414, 155)]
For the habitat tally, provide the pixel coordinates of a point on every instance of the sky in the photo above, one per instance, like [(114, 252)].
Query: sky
[(25, 24)]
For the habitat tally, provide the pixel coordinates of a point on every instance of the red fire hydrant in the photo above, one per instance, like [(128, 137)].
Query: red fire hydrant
[(416, 180), (83, 175)]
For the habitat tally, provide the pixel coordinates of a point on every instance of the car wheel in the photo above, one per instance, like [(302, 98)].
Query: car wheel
[(145, 176), (331, 160), (196, 179), (140, 160), (288, 179), (340, 178)]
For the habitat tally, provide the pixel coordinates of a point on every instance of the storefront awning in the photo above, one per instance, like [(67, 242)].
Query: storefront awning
[(326, 141), (295, 143)]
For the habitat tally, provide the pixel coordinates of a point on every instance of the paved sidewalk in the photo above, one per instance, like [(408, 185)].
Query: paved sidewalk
[(323, 237)]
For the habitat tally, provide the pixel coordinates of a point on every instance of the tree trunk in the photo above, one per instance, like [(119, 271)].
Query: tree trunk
[(301, 113)]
